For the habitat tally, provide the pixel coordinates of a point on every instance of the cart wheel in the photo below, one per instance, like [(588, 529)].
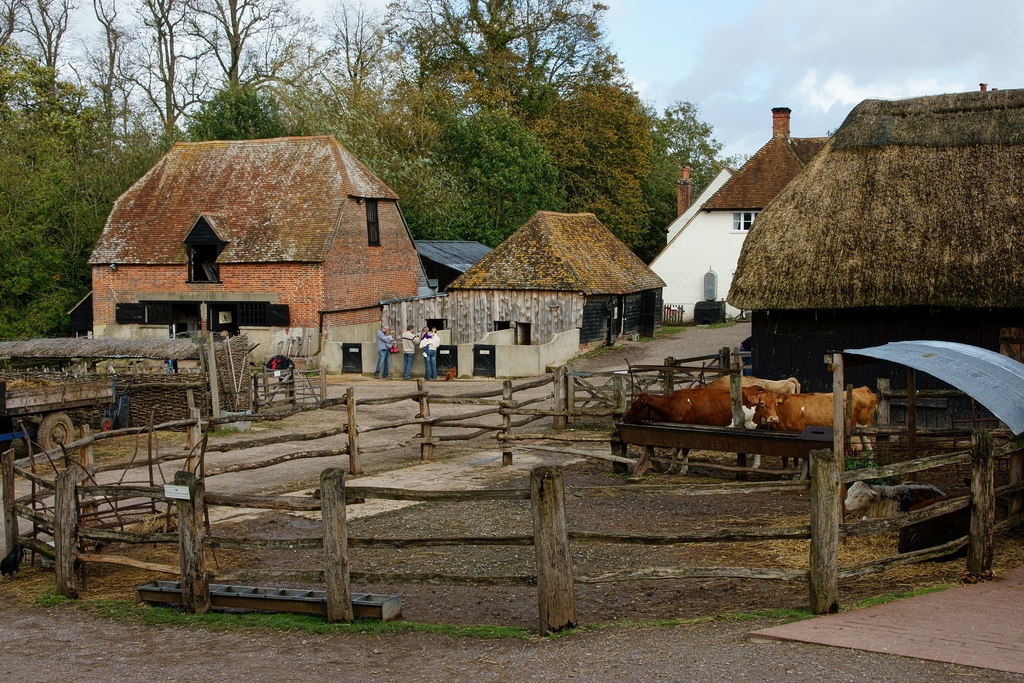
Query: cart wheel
[(106, 424), (55, 429)]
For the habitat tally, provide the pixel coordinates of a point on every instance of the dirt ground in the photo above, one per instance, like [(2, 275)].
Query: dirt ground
[(68, 644)]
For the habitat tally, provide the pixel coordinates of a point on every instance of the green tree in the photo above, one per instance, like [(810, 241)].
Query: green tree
[(679, 138), (507, 173), (59, 175), (237, 113)]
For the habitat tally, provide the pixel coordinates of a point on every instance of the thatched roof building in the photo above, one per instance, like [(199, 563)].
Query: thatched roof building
[(907, 225), (913, 202)]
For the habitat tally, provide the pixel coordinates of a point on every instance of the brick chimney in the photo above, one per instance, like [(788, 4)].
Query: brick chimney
[(683, 192), (780, 122)]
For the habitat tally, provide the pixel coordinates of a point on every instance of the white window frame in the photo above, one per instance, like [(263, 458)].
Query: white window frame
[(742, 221)]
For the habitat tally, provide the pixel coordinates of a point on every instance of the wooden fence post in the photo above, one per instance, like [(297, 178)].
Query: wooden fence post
[(620, 397), (983, 504), (506, 422), (336, 567), (556, 598), (195, 584), (10, 516), (355, 465), (738, 419), (883, 402), (323, 386), (558, 400), (194, 431), (85, 454), (426, 429), (65, 530), (570, 396), (1016, 475), (824, 584)]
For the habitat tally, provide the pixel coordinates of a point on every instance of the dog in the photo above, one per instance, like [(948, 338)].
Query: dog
[(12, 563), (450, 375)]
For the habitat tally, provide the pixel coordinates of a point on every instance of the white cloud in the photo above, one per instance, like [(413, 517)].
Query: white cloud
[(841, 89)]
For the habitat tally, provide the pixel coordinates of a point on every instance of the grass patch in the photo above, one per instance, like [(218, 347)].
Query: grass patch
[(221, 621), (890, 597), (666, 330), (715, 326), (50, 599)]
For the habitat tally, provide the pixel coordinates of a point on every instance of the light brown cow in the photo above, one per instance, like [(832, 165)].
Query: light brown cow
[(778, 386), (797, 411)]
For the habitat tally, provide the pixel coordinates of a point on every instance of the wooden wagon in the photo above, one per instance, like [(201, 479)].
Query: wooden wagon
[(45, 407)]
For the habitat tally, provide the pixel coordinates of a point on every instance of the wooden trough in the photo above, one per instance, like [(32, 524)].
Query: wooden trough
[(270, 599), (724, 439)]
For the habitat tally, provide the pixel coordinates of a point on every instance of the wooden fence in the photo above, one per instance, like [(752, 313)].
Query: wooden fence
[(554, 575)]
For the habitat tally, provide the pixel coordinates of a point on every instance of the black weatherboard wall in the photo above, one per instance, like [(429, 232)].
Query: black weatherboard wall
[(793, 343)]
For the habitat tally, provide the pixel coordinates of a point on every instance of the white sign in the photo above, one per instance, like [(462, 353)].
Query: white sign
[(176, 492)]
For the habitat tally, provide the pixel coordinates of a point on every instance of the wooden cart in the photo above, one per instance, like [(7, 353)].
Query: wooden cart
[(45, 408)]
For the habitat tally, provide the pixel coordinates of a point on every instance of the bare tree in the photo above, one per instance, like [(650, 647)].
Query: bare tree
[(11, 17), (107, 61), (171, 77), (47, 25), (253, 41), (358, 41)]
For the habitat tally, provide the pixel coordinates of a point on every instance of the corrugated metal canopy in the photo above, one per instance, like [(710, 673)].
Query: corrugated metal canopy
[(993, 380)]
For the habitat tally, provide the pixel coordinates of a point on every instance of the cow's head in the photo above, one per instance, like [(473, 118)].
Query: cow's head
[(765, 404), (642, 410), (859, 498)]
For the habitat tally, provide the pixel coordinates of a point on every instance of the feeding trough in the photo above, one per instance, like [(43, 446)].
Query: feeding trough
[(271, 599)]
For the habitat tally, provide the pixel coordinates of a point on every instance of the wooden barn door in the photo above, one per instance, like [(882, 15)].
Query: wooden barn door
[(1011, 343)]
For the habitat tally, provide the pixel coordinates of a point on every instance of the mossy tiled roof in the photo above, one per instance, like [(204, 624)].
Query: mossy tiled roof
[(570, 252), (270, 200)]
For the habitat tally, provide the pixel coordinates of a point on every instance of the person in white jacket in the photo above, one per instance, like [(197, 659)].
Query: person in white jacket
[(429, 344)]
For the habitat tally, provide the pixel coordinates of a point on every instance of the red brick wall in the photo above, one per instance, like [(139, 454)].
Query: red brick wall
[(354, 275), (300, 285), (357, 275)]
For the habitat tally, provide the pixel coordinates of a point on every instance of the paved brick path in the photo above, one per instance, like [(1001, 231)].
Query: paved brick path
[(979, 625)]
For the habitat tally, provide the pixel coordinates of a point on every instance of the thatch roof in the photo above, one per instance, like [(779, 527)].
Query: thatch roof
[(271, 200), (569, 252), (164, 349), (916, 202)]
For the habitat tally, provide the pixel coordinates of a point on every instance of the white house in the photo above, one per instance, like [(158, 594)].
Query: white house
[(708, 234)]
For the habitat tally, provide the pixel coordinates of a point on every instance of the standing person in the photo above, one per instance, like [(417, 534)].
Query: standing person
[(429, 344), (409, 341), (385, 341)]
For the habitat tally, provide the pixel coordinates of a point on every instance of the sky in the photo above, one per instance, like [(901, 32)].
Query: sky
[(736, 59)]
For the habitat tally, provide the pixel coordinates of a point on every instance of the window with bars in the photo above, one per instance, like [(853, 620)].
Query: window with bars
[(252, 314), (742, 221)]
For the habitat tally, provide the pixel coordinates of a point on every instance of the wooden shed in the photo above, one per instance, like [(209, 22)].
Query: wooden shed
[(907, 225), (557, 272)]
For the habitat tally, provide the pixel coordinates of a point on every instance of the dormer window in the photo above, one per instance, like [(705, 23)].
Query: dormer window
[(202, 247)]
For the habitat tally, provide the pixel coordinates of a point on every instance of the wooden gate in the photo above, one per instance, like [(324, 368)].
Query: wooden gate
[(281, 388)]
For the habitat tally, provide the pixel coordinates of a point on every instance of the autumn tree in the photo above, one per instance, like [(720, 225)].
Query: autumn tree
[(524, 54), (600, 141)]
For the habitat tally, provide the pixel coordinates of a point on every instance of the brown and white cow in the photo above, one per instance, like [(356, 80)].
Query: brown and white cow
[(779, 386), (703, 406), (797, 411)]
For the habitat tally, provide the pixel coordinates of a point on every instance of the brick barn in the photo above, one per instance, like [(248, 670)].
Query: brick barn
[(292, 240)]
